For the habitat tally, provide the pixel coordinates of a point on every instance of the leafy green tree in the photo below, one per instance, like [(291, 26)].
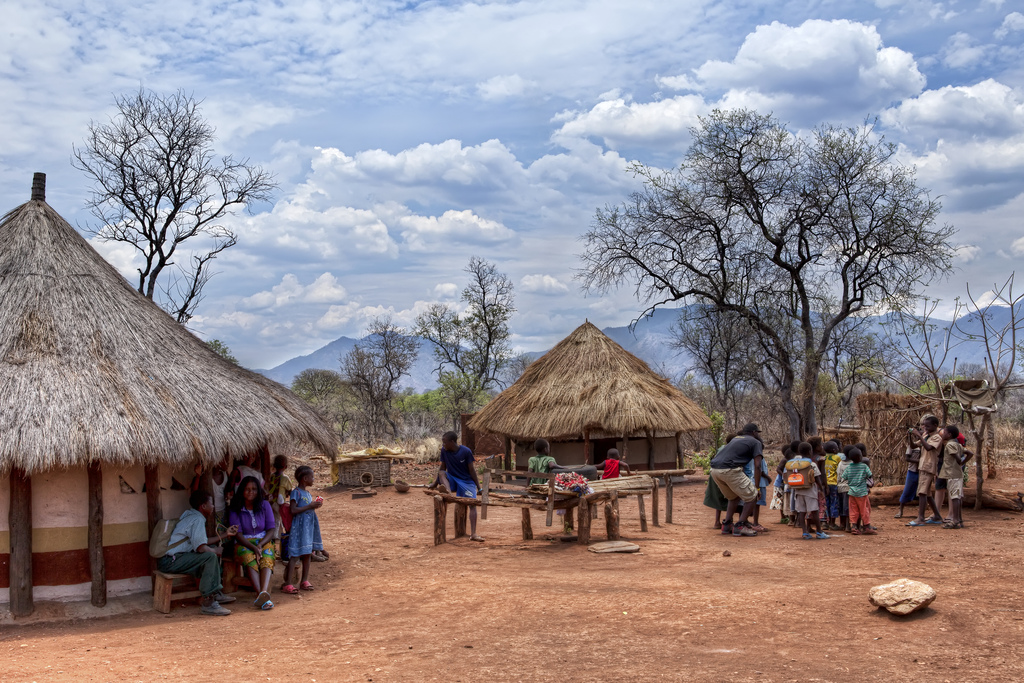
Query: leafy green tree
[(222, 350)]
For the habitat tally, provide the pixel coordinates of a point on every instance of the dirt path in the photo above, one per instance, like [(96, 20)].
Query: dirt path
[(778, 609)]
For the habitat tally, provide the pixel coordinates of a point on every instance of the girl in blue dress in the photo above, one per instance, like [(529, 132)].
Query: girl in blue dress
[(305, 534)]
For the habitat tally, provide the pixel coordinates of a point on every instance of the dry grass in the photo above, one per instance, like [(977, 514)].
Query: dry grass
[(587, 382), (94, 371)]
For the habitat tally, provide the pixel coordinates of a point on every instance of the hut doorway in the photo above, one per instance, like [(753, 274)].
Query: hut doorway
[(601, 448)]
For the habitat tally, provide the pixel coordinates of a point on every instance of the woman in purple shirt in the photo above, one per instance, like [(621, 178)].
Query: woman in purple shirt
[(254, 544)]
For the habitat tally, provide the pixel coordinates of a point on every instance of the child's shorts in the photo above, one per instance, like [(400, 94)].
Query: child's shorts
[(762, 495), (804, 503), (844, 504)]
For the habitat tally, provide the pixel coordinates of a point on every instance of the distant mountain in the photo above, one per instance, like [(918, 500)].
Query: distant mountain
[(650, 340), (329, 358)]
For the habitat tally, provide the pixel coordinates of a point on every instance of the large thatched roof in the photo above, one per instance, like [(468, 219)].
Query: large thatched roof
[(92, 370), (588, 382)]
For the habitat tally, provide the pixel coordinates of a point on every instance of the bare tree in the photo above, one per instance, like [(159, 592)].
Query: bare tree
[(158, 185), (759, 222), (856, 360), (328, 393), (374, 369), (475, 344)]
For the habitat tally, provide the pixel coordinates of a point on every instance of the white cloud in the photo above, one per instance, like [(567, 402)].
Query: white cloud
[(338, 316), (842, 64), (961, 52), (985, 109), (422, 233), (967, 253), (445, 290), (1014, 21), (680, 82), (325, 289), (542, 284), (500, 88), (620, 122), (1017, 248)]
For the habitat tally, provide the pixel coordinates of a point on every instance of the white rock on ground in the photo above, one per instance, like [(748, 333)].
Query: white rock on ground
[(902, 596)]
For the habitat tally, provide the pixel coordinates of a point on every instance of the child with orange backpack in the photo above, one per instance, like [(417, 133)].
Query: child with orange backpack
[(802, 477)]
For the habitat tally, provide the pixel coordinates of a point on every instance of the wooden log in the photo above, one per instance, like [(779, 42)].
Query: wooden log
[(97, 565), (669, 493), (586, 447), (993, 499), (567, 521), (643, 512), (460, 519), (611, 521), (508, 453), (440, 520), (527, 526), (20, 525), (615, 501), (153, 512), (583, 534), (485, 495), (679, 451), (654, 504), (625, 446)]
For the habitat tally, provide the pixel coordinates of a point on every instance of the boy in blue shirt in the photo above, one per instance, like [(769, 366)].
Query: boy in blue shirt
[(457, 475)]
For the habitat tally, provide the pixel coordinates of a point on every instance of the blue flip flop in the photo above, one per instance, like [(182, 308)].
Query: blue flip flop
[(932, 521), (916, 523), (808, 537)]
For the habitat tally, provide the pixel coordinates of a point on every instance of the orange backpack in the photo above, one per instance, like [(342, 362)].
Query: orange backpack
[(800, 474)]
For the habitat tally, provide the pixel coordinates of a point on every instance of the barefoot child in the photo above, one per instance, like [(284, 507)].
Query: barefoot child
[(856, 476), (305, 534)]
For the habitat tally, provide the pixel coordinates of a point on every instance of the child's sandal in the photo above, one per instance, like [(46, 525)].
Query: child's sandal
[(306, 586), (289, 589), (855, 532)]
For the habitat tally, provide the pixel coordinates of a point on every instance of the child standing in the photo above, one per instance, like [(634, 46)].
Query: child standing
[(780, 494), (612, 465), (857, 475), (305, 534), (279, 488), (843, 490), (805, 500), (761, 484), (832, 460), (953, 459)]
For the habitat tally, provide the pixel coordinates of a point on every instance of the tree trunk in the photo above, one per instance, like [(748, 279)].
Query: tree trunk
[(97, 564)]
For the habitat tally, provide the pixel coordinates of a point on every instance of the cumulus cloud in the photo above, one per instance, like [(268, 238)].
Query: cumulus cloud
[(1017, 248), (325, 289), (962, 52), (542, 284), (620, 122), (422, 233), (967, 253), (985, 109), (1014, 21), (500, 88), (680, 82), (840, 63)]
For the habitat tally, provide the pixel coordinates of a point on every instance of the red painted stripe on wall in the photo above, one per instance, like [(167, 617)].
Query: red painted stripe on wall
[(70, 567)]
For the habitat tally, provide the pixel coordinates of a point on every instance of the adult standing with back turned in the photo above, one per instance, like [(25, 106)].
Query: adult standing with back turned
[(727, 471)]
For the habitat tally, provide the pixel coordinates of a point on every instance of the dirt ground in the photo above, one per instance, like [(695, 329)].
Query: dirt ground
[(390, 606)]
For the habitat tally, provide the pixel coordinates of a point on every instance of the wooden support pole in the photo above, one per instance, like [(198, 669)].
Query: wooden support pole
[(551, 502), (97, 564), (153, 512), (654, 503), (586, 447), (567, 521), (625, 446), (265, 465), (508, 453), (485, 495), (611, 521), (583, 533), (460, 519), (527, 526), (615, 501), (206, 484), (650, 452), (440, 520), (20, 524), (679, 450), (643, 511), (668, 498)]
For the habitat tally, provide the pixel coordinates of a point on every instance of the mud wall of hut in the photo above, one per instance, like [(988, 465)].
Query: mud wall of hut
[(571, 453), (60, 557)]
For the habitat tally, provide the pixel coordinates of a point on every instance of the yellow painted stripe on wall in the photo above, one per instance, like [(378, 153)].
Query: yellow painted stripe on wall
[(77, 537)]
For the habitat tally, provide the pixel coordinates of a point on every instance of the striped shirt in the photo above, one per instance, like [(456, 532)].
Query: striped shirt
[(856, 475)]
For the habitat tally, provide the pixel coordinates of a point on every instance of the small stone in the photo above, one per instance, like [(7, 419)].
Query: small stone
[(902, 596), (726, 553)]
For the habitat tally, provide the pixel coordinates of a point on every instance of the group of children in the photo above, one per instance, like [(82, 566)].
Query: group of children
[(819, 487)]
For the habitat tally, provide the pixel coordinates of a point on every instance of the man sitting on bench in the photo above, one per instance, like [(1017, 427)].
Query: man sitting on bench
[(193, 552)]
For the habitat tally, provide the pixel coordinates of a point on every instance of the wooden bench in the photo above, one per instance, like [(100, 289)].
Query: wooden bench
[(165, 589)]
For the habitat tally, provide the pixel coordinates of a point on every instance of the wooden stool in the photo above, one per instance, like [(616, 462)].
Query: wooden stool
[(234, 576), (165, 590)]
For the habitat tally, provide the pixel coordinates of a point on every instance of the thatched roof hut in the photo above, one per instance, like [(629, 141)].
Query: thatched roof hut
[(588, 388), (95, 374)]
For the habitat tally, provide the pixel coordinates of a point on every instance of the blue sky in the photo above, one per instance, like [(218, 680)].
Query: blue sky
[(408, 136)]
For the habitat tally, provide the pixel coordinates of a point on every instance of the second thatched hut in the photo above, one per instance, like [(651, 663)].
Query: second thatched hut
[(587, 395)]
